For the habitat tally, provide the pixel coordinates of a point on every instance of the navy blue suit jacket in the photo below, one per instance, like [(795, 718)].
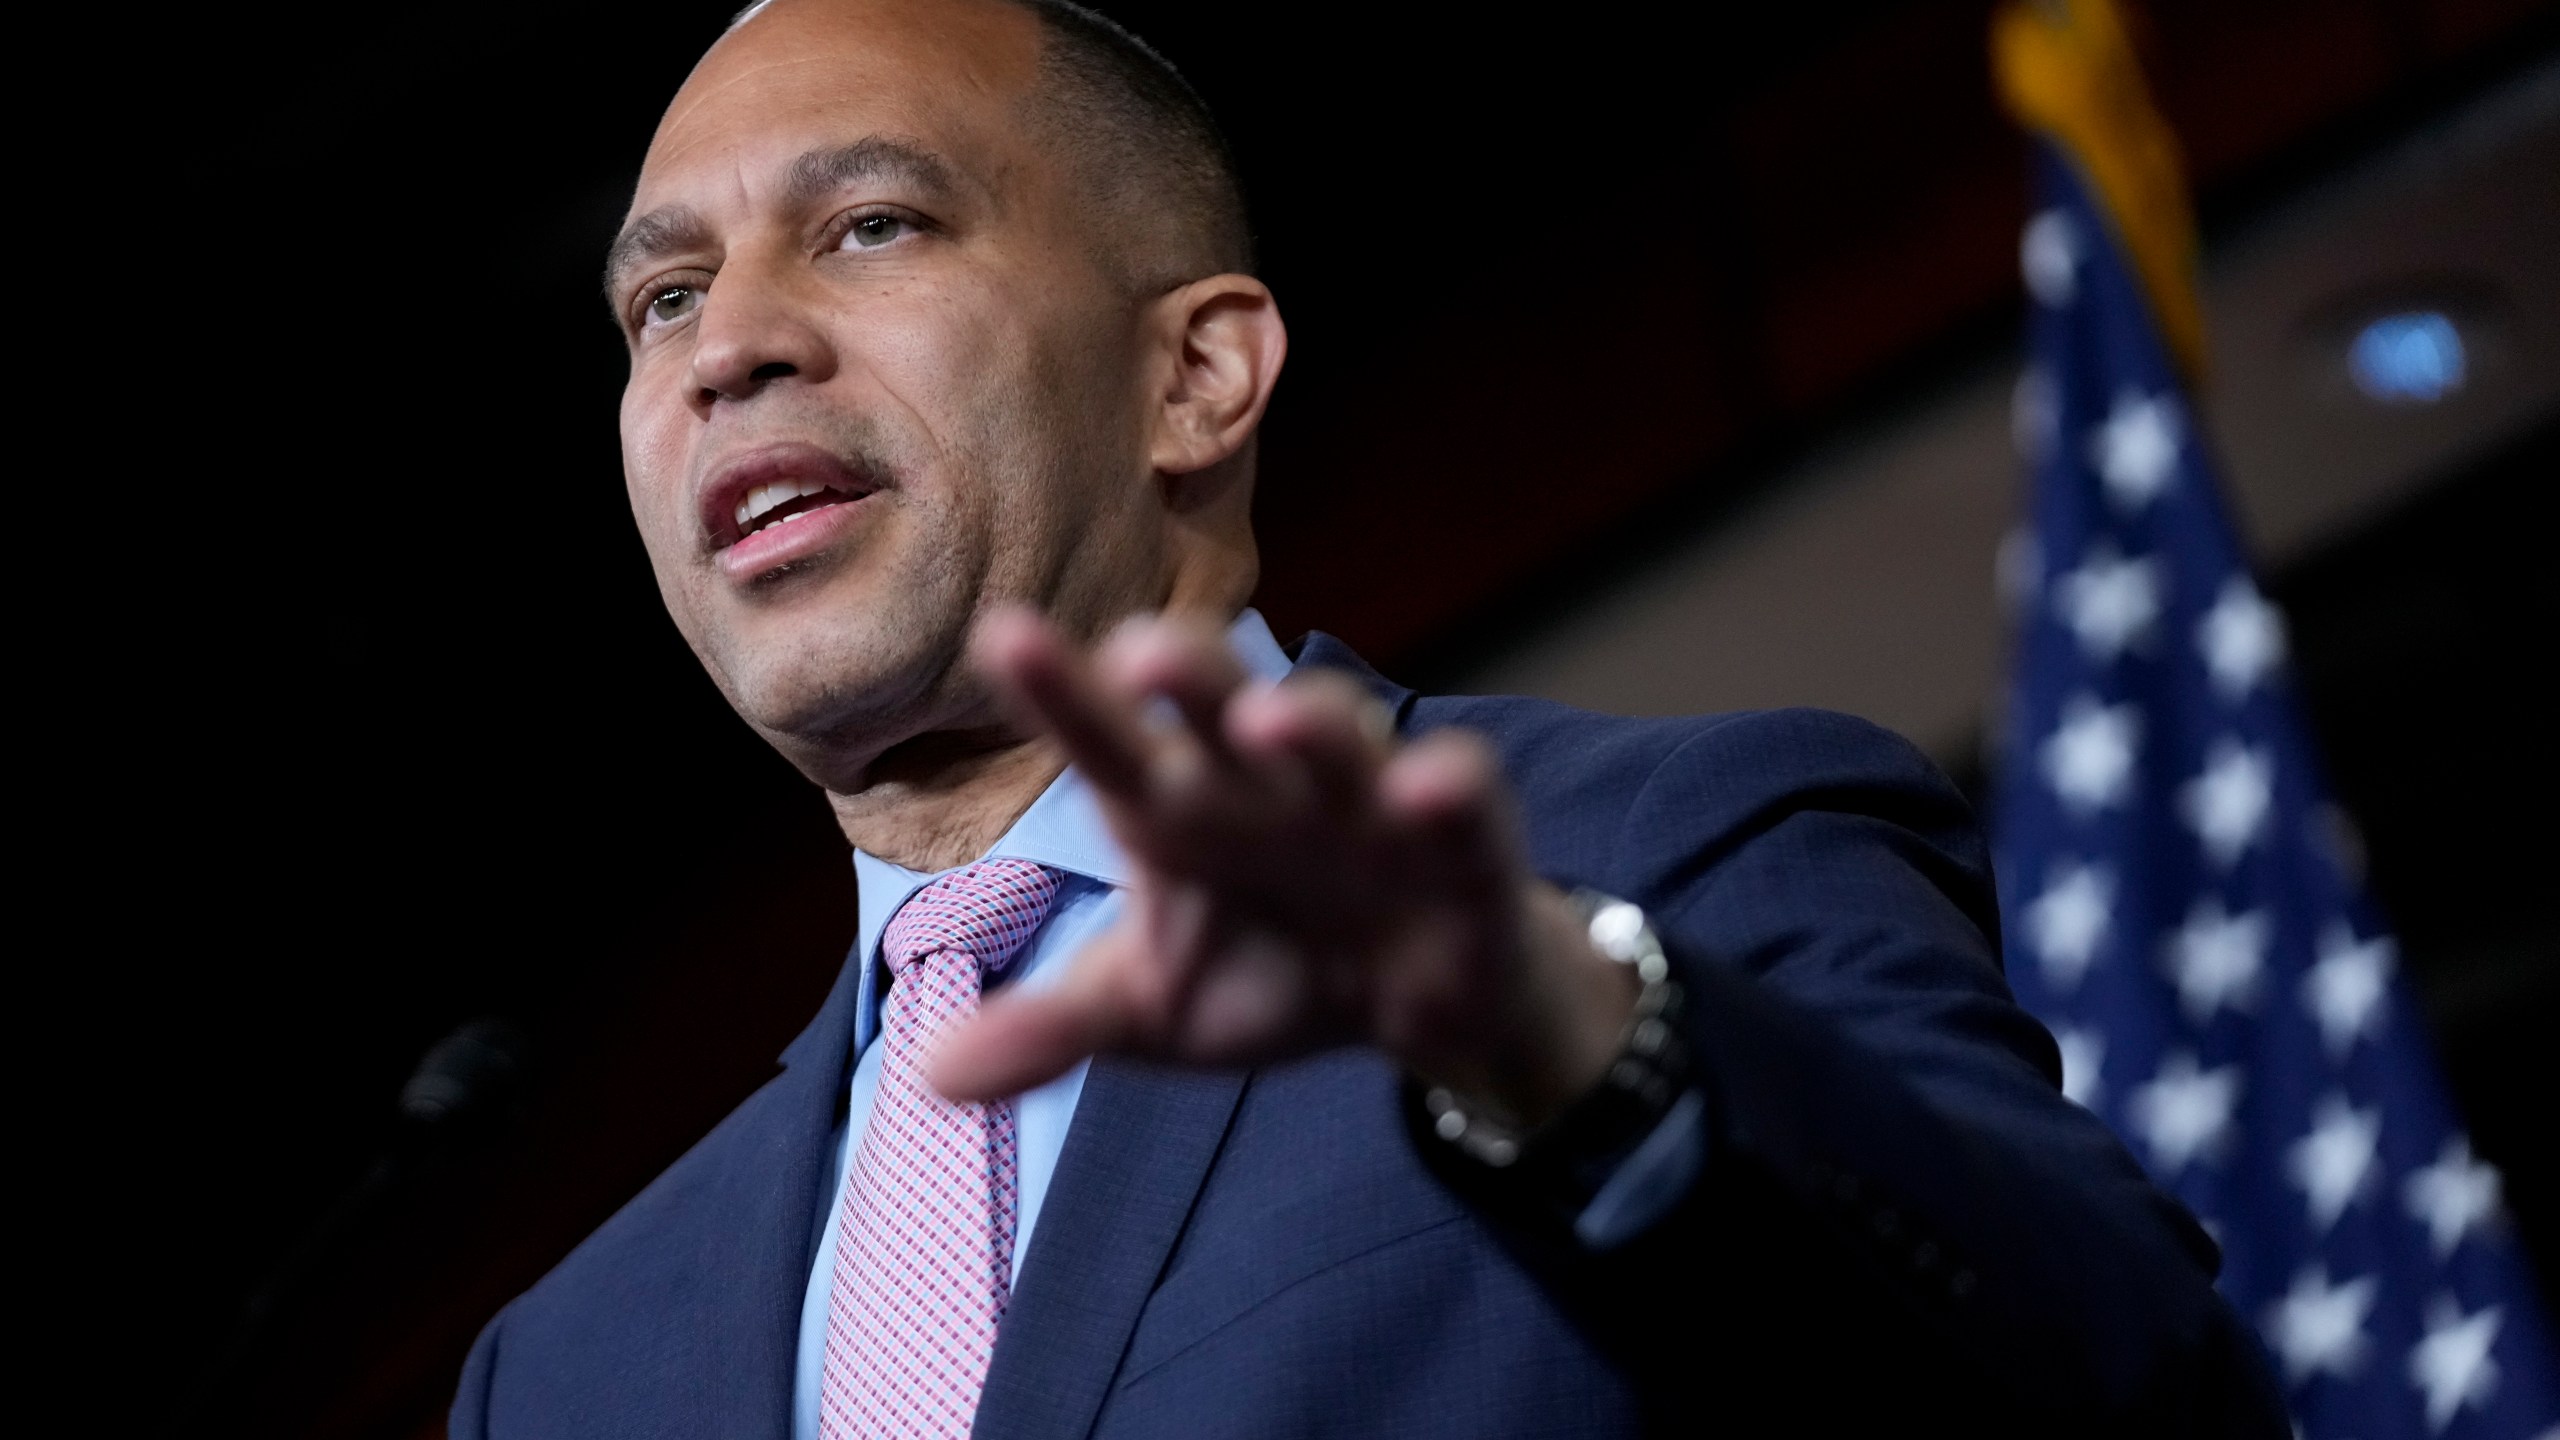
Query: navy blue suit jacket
[(1899, 1217)]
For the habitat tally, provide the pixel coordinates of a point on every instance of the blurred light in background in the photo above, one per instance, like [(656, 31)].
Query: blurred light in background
[(2414, 357)]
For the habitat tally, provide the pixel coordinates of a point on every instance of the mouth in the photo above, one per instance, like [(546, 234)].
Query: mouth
[(784, 501), (774, 505)]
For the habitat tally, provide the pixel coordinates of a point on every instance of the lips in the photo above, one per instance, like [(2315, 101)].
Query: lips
[(759, 494)]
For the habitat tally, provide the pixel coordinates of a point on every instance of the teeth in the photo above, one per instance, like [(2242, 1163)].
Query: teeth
[(761, 500)]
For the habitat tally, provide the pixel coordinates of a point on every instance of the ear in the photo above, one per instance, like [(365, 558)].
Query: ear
[(1225, 343)]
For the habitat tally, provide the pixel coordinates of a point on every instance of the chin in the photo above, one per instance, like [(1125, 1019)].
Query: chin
[(848, 691)]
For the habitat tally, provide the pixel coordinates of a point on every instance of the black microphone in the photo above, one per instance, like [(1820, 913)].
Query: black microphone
[(462, 1082), (464, 1076)]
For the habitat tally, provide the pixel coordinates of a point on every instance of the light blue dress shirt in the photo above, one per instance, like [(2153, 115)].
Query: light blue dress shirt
[(1064, 830)]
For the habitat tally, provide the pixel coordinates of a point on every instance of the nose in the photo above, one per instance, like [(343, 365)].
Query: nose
[(753, 332)]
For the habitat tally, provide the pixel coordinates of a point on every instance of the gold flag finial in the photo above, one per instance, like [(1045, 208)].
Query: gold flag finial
[(2066, 69)]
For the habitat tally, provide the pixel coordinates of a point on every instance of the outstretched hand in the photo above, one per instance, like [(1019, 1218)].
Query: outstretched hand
[(1302, 880)]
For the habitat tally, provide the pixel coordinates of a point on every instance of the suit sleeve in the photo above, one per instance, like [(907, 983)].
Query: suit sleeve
[(1897, 1213), (468, 1419)]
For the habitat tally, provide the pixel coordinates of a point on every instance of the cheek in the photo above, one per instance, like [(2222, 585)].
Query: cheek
[(936, 355), (1037, 385), (654, 461), (958, 379)]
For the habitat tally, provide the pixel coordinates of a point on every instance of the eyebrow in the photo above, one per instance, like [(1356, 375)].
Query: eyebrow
[(815, 175), (667, 230), (820, 173)]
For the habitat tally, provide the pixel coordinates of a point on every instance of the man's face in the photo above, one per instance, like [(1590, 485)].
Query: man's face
[(879, 379)]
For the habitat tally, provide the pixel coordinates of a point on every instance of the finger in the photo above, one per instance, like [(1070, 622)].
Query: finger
[(1024, 1037), (1449, 785), (1322, 726), (1184, 661), (1035, 668), (1259, 1003)]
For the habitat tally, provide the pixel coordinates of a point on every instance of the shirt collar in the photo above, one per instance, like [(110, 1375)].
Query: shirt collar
[(1064, 828)]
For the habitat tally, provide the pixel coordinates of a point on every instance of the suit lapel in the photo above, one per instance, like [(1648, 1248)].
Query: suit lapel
[(1137, 1153), (768, 1190), (1322, 651), (817, 1074), (1140, 1146)]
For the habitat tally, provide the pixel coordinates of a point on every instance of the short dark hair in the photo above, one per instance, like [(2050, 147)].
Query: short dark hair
[(1128, 119), (1147, 141)]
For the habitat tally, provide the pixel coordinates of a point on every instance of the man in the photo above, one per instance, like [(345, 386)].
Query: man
[(1237, 1043)]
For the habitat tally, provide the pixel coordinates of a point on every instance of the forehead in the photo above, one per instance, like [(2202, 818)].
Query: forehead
[(806, 73)]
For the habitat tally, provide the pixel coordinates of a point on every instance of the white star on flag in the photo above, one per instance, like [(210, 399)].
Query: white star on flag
[(2049, 258), (2135, 449), (2109, 602), (2218, 959), (2089, 756), (2241, 638), (2452, 1363), (2318, 1327), (2066, 922), (2185, 902), (2185, 1112), (2453, 1196), (2084, 1053), (2344, 988), (2331, 1163), (2227, 804)]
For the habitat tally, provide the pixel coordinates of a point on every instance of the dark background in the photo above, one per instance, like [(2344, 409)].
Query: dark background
[(395, 735)]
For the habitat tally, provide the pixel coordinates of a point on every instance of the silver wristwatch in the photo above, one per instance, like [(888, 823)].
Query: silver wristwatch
[(1650, 1073)]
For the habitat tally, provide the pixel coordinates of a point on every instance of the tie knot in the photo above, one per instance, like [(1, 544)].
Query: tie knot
[(985, 911)]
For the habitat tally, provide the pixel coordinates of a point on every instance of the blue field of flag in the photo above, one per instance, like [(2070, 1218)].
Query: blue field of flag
[(2178, 909)]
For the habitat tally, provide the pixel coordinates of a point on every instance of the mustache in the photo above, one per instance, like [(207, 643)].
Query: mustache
[(866, 446)]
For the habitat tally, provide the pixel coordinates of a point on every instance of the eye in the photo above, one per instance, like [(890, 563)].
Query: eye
[(873, 231), (671, 304)]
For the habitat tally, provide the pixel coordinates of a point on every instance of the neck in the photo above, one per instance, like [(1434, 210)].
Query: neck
[(942, 799)]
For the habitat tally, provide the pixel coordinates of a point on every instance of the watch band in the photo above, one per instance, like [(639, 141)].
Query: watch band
[(1573, 1154)]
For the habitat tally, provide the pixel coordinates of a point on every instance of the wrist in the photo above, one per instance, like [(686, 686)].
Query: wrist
[(1558, 1030), (1569, 1156)]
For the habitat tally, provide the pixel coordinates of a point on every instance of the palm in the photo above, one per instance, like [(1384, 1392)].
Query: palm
[(1303, 881)]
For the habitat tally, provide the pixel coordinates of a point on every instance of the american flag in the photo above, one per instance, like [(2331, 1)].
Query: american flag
[(2181, 914)]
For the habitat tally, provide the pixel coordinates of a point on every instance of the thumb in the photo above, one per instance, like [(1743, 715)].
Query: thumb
[(1024, 1038)]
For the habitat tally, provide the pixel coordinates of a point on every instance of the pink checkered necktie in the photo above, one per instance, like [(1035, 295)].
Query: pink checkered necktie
[(924, 1243)]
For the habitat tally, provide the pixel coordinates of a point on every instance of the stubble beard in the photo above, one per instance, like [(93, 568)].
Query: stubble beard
[(1001, 516), (872, 659), (877, 661)]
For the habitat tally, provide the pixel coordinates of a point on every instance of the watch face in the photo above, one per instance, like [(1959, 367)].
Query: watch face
[(1619, 930)]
